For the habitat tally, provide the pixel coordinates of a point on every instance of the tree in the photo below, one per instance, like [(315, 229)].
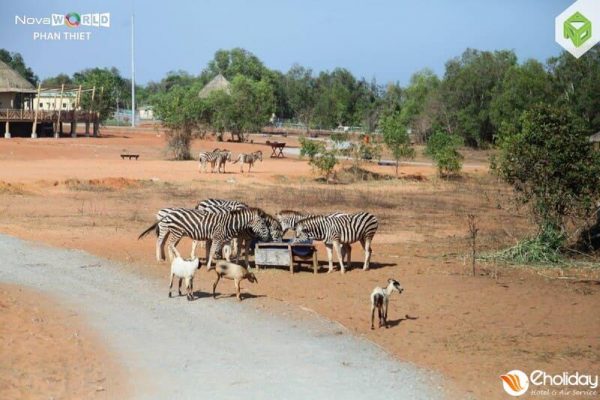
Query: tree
[(522, 87), (246, 109), (551, 166), (443, 149), (467, 90), (181, 111), (417, 103), (57, 81), (396, 137), (16, 62), (300, 87), (109, 84), (577, 84)]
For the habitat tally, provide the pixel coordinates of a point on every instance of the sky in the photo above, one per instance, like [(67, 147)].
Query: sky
[(388, 40)]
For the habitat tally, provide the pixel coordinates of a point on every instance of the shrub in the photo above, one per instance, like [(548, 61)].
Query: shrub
[(318, 156), (552, 167), (443, 149)]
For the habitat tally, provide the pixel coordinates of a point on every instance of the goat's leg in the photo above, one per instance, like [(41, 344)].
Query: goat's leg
[(171, 284), (179, 288), (328, 246), (237, 289), (385, 311), (372, 316), (215, 284), (338, 252), (190, 288)]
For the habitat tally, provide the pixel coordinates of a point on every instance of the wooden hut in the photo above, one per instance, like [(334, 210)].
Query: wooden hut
[(595, 139), (16, 94)]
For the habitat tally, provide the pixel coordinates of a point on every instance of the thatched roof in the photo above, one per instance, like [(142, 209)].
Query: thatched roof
[(11, 81), (217, 83), (595, 138)]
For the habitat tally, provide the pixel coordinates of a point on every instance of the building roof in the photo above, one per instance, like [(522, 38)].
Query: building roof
[(595, 138), (217, 83), (11, 81)]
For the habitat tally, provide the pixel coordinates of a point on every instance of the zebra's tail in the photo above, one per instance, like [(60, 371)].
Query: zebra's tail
[(237, 160), (147, 231)]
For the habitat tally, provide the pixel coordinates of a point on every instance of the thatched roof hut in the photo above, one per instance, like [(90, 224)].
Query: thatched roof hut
[(595, 138), (12, 82), (217, 83)]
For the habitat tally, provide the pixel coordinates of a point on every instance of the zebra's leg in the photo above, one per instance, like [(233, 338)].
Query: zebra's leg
[(329, 246), (160, 243), (366, 244), (216, 245), (207, 246), (338, 253)]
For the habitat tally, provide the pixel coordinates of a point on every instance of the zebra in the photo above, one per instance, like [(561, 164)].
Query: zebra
[(217, 228), (222, 158), (290, 218), (338, 230), (249, 159), (231, 204), (206, 157)]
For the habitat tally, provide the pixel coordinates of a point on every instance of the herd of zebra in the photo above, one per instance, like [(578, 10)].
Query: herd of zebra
[(221, 222), (219, 157)]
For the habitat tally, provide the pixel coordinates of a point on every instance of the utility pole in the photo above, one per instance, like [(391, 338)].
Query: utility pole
[(132, 75)]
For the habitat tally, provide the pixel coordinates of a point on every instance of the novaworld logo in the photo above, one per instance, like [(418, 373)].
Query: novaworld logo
[(71, 20)]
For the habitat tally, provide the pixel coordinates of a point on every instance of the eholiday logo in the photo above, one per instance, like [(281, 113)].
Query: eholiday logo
[(515, 382), (577, 28)]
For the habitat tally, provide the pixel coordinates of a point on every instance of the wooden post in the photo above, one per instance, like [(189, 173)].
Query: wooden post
[(35, 115), (74, 117), (315, 261), (7, 129), (97, 114), (89, 114), (291, 258), (58, 122)]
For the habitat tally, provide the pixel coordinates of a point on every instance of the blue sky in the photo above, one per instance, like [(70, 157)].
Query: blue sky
[(384, 39)]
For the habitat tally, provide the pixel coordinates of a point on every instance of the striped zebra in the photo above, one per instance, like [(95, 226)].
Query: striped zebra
[(206, 157), (230, 204), (342, 229), (218, 229), (249, 159), (290, 218), (222, 158)]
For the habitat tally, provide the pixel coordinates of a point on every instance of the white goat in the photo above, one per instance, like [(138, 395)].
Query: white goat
[(184, 269), (235, 272), (380, 298)]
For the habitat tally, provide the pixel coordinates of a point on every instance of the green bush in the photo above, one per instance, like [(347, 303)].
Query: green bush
[(443, 149), (552, 167), (318, 156)]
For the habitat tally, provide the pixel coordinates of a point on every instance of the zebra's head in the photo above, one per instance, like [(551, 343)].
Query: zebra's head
[(260, 229), (301, 232), (275, 230), (288, 219)]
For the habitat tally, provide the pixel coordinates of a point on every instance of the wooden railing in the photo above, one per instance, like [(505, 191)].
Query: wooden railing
[(45, 116)]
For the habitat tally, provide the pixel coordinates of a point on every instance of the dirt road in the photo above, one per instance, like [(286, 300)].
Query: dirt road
[(172, 348)]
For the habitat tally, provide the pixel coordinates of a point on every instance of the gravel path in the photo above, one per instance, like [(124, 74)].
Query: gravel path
[(219, 349)]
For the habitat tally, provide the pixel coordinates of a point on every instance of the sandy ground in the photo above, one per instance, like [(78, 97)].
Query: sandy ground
[(48, 352), (80, 194), (217, 349)]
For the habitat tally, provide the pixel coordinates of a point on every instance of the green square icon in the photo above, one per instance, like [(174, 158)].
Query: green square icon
[(577, 28)]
